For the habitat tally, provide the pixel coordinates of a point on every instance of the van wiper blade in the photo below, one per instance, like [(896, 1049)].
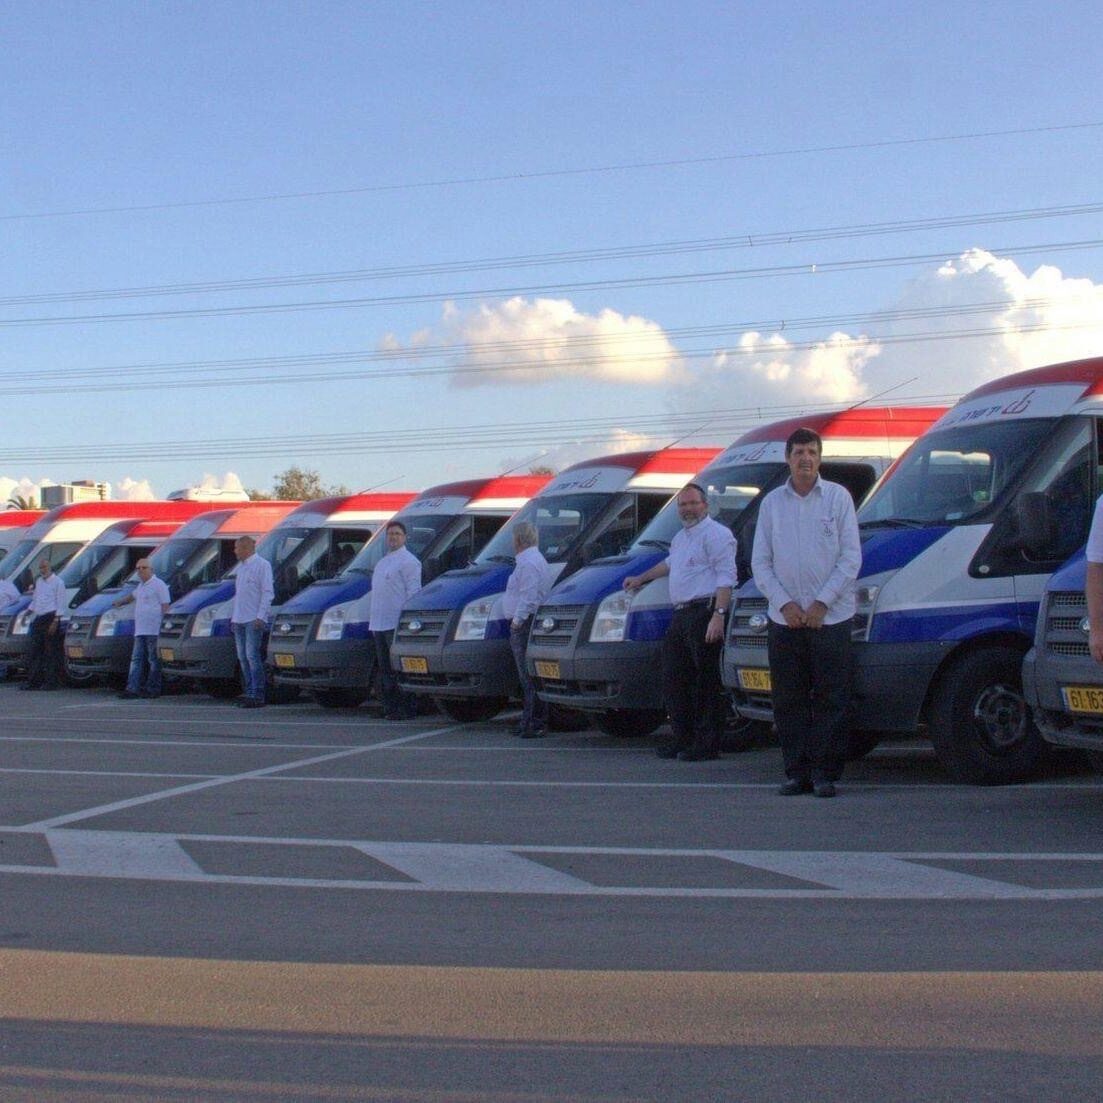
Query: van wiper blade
[(501, 559), (663, 544), (893, 523)]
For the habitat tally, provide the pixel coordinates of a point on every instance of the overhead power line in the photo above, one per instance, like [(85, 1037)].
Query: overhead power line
[(671, 280), (744, 240), (544, 174)]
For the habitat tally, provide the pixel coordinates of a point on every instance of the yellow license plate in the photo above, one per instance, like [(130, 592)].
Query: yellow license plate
[(167, 654), (75, 652), (414, 664), (1083, 698), (755, 679), (284, 662), (545, 669)]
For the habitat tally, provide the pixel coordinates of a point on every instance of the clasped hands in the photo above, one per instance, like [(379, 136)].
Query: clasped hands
[(796, 617)]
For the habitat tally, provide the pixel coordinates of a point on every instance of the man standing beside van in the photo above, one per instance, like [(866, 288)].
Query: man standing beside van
[(44, 656), (397, 577), (151, 602), (526, 589), (701, 566), (806, 558), (253, 595)]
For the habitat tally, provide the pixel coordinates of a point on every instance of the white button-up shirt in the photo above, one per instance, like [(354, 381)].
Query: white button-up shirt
[(397, 577), (150, 597), (49, 596), (8, 592), (702, 559), (253, 590), (807, 548), (527, 587)]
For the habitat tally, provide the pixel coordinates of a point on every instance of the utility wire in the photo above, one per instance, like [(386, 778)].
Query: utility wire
[(512, 177), (577, 256), (677, 279)]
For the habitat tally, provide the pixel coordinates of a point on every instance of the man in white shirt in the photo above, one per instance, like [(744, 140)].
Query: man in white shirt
[(151, 602), (1094, 583), (44, 654), (701, 567), (8, 592), (253, 594), (526, 589), (396, 578), (806, 558)]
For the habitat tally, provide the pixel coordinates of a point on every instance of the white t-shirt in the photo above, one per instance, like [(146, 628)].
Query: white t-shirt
[(1095, 537), (149, 596)]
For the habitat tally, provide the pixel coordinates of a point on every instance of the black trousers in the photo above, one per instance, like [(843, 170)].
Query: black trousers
[(692, 690), (811, 670), (44, 652)]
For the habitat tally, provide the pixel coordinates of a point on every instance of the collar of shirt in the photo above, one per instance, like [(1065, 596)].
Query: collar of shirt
[(816, 488)]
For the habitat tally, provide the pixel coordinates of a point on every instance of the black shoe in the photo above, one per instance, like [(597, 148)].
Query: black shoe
[(666, 752), (252, 703), (534, 733), (27, 686), (794, 787), (146, 693), (697, 756), (126, 695), (825, 789)]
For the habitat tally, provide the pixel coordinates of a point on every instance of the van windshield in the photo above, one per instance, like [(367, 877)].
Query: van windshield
[(184, 564), (421, 531), (560, 519), (99, 567), (730, 491), (952, 476), (16, 556)]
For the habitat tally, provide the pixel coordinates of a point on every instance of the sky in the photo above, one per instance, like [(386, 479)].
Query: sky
[(401, 243)]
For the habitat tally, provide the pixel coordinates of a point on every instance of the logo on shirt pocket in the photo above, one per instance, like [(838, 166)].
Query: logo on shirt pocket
[(827, 528)]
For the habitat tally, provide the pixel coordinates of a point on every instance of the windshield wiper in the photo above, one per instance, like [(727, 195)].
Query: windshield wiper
[(500, 559), (663, 544), (894, 523)]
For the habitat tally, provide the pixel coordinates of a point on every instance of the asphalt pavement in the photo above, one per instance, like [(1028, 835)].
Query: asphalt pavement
[(204, 903)]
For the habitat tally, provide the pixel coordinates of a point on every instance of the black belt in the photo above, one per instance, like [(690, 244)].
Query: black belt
[(694, 604)]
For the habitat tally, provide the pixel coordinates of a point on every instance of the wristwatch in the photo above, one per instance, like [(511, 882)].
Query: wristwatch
[(719, 612)]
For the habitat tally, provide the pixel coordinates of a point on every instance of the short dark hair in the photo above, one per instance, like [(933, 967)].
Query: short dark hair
[(396, 525), (698, 487), (804, 435)]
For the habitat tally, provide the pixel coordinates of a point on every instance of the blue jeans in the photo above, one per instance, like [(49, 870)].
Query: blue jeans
[(143, 657), (534, 716), (247, 640)]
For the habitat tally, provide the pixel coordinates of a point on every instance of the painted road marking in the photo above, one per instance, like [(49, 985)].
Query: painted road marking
[(520, 870)]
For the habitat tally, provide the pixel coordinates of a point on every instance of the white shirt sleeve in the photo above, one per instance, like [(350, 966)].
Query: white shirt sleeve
[(1095, 537), (849, 562)]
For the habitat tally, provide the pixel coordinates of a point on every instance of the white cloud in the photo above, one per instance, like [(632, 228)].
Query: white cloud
[(134, 490), (571, 452), (24, 488), (1043, 317), (522, 341)]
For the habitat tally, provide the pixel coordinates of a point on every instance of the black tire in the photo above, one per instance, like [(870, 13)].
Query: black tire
[(340, 698), (79, 679), (980, 724), (471, 710), (859, 744), (561, 719), (628, 723), (281, 694), (742, 734), (222, 689)]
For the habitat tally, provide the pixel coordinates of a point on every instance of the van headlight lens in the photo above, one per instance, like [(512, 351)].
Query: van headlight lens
[(332, 625), (611, 618), (22, 623), (105, 626), (204, 621), (865, 597), (474, 619)]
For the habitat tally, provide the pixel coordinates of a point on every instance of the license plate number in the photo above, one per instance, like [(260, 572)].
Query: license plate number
[(75, 652), (755, 679), (545, 669), (284, 662), (1083, 698), (414, 664), (167, 654)]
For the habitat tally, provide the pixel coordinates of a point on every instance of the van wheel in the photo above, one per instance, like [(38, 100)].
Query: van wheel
[(471, 710), (79, 678), (741, 734), (340, 698), (628, 723), (222, 689), (859, 744), (281, 694), (561, 719), (980, 724)]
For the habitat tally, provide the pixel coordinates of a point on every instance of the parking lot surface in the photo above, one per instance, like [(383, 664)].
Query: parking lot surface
[(291, 904)]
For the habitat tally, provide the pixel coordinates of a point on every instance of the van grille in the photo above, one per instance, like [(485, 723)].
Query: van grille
[(432, 623), (567, 620)]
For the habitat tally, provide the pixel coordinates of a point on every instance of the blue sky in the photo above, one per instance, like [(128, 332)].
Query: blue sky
[(450, 133)]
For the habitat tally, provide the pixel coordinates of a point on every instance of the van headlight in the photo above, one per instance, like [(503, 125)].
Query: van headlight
[(105, 626), (474, 619), (332, 625), (22, 623), (611, 618), (865, 597), (204, 620)]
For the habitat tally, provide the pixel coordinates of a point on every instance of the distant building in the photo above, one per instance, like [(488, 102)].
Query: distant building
[(207, 494), (83, 490)]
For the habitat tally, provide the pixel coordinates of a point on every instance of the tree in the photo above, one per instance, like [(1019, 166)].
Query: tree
[(299, 484), (17, 501), (541, 469)]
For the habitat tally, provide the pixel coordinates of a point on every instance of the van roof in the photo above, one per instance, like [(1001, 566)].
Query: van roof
[(495, 486), (662, 459), (389, 502), (1089, 372), (20, 518), (159, 510)]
